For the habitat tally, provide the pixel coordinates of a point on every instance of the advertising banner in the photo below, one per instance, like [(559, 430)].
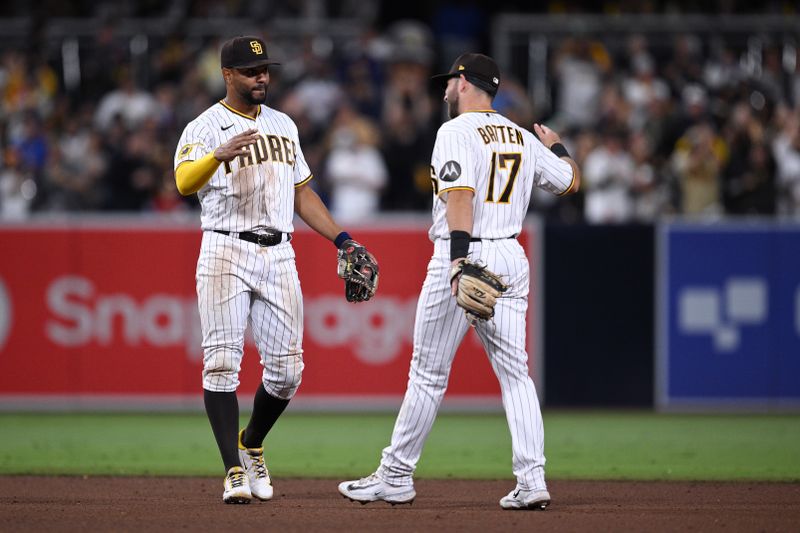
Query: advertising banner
[(729, 317), (96, 315)]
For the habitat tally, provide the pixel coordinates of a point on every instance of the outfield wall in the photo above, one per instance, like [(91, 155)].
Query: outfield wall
[(100, 313)]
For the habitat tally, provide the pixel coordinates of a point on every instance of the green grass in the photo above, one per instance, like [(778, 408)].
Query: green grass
[(586, 445)]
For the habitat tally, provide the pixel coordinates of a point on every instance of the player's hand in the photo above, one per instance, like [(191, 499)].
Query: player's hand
[(546, 135), (455, 274), (236, 145)]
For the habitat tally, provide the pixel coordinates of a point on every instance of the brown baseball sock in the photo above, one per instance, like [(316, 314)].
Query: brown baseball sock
[(222, 409), (266, 410)]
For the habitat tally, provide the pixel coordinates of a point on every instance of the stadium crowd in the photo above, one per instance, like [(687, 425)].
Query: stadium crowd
[(694, 127)]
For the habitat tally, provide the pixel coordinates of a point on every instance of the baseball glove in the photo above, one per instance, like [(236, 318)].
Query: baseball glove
[(478, 289), (359, 270)]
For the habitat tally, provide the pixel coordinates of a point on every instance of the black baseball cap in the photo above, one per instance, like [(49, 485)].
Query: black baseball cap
[(478, 69), (245, 52)]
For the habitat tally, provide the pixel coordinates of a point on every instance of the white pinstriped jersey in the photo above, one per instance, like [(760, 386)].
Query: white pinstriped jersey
[(256, 190), (485, 152)]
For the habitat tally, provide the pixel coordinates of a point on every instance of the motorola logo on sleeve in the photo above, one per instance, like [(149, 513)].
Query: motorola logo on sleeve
[(5, 314), (451, 171)]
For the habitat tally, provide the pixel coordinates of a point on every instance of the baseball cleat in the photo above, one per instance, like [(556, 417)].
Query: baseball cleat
[(237, 487), (257, 474), (372, 489), (520, 499)]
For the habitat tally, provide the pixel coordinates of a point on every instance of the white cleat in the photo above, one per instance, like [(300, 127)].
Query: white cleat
[(373, 489), (237, 488), (519, 499), (253, 462)]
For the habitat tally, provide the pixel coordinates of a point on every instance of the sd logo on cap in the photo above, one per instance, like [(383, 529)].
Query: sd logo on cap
[(245, 52)]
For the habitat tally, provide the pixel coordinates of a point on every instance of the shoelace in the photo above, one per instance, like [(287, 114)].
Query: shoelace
[(367, 480), (237, 479), (260, 467)]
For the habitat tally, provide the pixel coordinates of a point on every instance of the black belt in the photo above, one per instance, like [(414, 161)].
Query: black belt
[(478, 239), (271, 238)]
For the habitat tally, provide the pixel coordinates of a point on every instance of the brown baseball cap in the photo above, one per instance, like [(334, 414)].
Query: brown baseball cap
[(478, 69), (245, 52)]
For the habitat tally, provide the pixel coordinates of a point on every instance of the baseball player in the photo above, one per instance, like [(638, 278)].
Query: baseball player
[(244, 161), (483, 170)]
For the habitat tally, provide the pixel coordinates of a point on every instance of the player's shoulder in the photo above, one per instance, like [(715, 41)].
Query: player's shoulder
[(272, 114), (460, 125), (529, 139)]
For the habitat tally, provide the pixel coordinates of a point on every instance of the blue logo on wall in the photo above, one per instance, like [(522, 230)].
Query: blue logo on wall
[(723, 313), (729, 315)]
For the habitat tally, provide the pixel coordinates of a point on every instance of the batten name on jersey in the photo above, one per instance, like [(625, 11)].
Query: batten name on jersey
[(267, 148), (506, 134)]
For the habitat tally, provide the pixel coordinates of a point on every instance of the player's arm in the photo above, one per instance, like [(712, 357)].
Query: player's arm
[(459, 217), (355, 265), (191, 176), (309, 207), (459, 210), (552, 141)]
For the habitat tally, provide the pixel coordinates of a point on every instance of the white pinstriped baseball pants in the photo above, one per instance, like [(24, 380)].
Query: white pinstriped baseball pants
[(237, 282), (439, 328)]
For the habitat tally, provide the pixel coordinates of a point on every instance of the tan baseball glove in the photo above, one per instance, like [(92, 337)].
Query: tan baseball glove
[(478, 289)]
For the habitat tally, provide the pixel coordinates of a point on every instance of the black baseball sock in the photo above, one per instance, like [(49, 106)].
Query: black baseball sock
[(266, 410), (222, 409)]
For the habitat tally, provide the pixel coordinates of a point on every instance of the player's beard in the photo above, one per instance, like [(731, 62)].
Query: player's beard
[(251, 99), (452, 104)]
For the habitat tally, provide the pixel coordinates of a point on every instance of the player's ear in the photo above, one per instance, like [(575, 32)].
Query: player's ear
[(462, 83)]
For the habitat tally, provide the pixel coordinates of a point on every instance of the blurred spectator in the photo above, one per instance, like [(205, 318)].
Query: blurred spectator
[(132, 176), (691, 110), (749, 176), (786, 149), (126, 101), (658, 127), (614, 112), (408, 76), (75, 170), (642, 88), (722, 69), (108, 54), (512, 101), (167, 199), (362, 84), (407, 150), (579, 65), (170, 59), (408, 119), (458, 26), (17, 190), (26, 85), (795, 83), (697, 161), (32, 146), (318, 93), (354, 168), (686, 64), (650, 196), (608, 174), (208, 68), (709, 121), (772, 79)]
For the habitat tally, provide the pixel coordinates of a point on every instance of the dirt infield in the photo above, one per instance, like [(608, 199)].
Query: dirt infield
[(162, 504)]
